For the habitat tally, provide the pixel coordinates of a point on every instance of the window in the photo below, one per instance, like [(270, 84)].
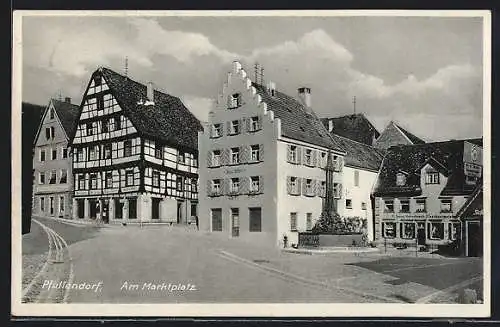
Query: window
[(61, 204), (235, 156), (436, 230), (235, 127), (127, 148), (294, 187), (47, 133), (158, 151), (400, 179), (323, 159), (194, 209), (389, 229), (234, 101), (255, 153), (64, 176), (93, 155), (156, 178), (52, 114), (180, 183), (118, 123), (54, 154), (90, 129), (322, 189), (389, 205), (81, 182), (194, 185), (309, 221), (292, 153), (111, 124), (64, 153), (235, 185), (216, 187), (216, 130), (404, 205), (308, 155), (97, 80), (348, 203), (42, 155), (431, 177), (453, 231), (254, 184), (100, 103), (309, 187), (407, 230), (216, 220), (254, 124), (42, 204), (293, 221), (93, 181), (445, 205), (255, 219), (216, 158), (420, 207), (356, 178), (80, 155), (41, 178), (107, 151), (337, 190), (337, 163), (363, 205), (129, 178), (104, 126), (53, 176), (109, 179)]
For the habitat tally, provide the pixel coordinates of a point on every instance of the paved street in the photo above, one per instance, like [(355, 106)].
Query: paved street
[(213, 268)]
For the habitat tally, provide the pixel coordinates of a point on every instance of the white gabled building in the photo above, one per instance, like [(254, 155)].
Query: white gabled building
[(262, 158)]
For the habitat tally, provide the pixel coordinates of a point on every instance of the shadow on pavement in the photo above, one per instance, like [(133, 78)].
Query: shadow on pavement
[(71, 234)]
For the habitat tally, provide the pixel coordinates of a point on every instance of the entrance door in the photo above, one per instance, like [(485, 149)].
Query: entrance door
[(474, 239), (155, 209), (105, 211), (421, 234), (81, 208), (216, 220), (179, 212), (118, 209), (51, 206), (132, 208), (235, 222), (93, 208)]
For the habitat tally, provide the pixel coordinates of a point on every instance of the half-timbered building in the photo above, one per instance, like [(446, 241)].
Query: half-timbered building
[(135, 156), (52, 184)]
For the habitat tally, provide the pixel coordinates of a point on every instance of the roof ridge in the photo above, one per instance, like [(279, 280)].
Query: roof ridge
[(407, 133)]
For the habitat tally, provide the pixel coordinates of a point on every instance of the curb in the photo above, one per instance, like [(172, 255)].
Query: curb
[(331, 250)]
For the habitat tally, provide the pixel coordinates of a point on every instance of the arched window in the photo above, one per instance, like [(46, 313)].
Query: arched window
[(234, 101)]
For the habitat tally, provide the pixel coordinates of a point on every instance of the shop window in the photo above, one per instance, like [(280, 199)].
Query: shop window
[(408, 230), (436, 231), (389, 229)]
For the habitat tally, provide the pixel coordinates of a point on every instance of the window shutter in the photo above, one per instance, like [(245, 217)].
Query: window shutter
[(240, 124), (340, 191), (261, 184), (299, 155), (224, 157), (289, 185), (244, 185), (247, 124), (225, 187), (259, 123), (261, 152), (288, 154), (299, 186), (228, 101), (314, 187), (244, 154), (318, 188), (228, 127), (209, 159), (314, 154)]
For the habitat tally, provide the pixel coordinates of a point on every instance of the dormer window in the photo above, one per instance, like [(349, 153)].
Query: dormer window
[(234, 101), (400, 179), (431, 177), (52, 115), (97, 80), (216, 130)]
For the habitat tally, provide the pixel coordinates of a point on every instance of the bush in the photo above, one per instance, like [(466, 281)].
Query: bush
[(332, 223)]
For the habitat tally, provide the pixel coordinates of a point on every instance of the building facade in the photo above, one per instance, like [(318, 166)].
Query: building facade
[(263, 178), (394, 134), (135, 155), (421, 189), (52, 184)]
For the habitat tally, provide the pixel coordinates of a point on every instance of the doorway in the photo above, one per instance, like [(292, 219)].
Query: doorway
[(474, 239), (81, 208), (132, 208), (93, 208), (105, 211), (118, 209), (235, 222), (217, 220), (179, 212), (421, 234), (155, 208)]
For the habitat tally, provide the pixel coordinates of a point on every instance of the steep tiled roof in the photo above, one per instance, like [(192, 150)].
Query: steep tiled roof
[(360, 155), (411, 158), (355, 127), (296, 121), (414, 139), (68, 115), (168, 120)]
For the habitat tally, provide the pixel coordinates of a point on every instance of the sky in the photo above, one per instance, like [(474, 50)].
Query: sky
[(423, 72)]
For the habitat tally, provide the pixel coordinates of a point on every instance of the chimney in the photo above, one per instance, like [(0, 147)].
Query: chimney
[(271, 88), (305, 96), (150, 92), (330, 125), (67, 99)]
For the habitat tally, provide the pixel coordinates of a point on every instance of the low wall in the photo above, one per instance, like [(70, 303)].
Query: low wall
[(327, 240)]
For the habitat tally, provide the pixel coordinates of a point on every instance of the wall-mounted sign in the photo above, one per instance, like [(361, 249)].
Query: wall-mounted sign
[(234, 170), (471, 169)]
